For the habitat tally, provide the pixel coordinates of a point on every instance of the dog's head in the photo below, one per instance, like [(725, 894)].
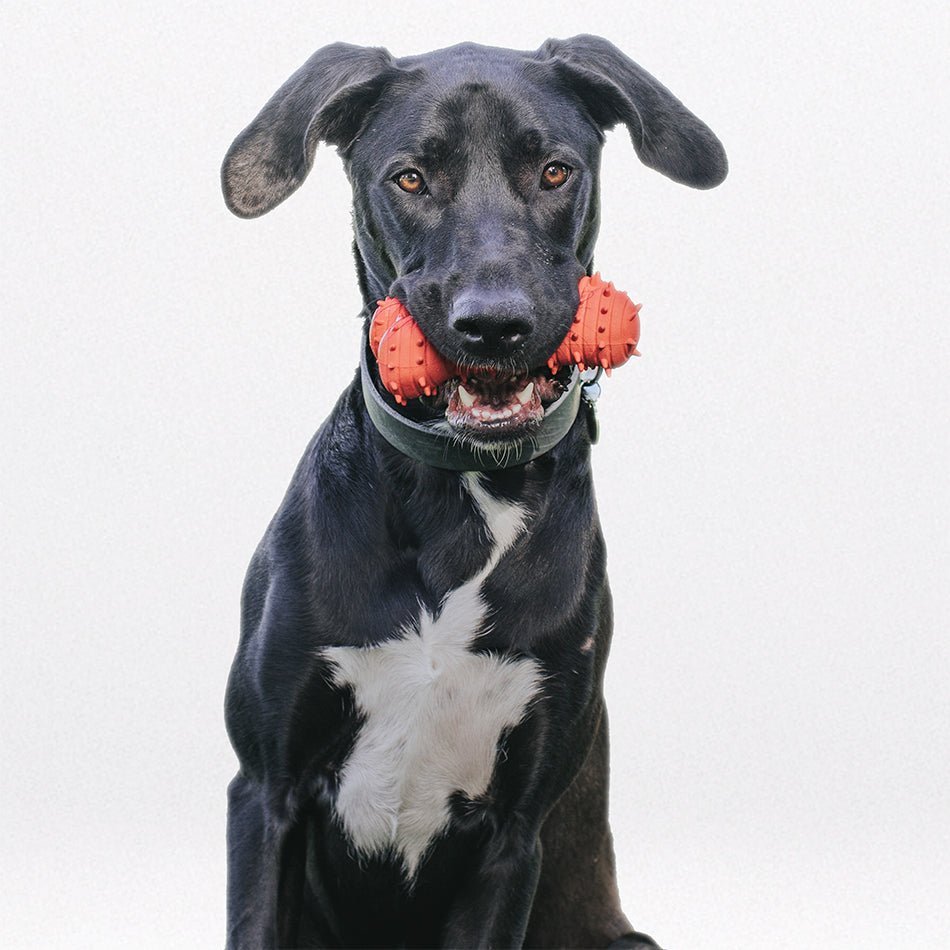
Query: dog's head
[(474, 174)]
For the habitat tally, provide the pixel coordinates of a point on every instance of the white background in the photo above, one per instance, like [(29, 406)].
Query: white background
[(772, 474)]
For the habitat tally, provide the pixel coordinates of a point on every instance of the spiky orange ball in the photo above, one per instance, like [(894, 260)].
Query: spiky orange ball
[(409, 365), (605, 331)]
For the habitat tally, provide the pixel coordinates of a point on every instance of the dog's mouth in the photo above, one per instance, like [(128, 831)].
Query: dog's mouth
[(489, 405)]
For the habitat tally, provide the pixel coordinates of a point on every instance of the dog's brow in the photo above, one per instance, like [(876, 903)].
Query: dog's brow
[(531, 144), (532, 140), (436, 148)]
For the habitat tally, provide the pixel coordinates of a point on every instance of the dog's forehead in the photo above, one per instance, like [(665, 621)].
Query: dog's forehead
[(468, 93)]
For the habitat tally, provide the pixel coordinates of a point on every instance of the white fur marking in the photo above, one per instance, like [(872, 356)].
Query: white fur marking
[(434, 712), (505, 520)]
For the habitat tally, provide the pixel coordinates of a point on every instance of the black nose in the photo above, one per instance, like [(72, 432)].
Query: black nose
[(492, 323)]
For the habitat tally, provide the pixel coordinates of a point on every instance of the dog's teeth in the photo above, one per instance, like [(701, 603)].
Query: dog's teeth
[(465, 397), (525, 395)]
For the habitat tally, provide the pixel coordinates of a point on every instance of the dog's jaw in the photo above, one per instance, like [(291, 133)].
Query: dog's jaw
[(510, 409), (497, 406)]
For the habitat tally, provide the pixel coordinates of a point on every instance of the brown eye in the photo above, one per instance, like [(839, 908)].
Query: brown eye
[(555, 175), (411, 182)]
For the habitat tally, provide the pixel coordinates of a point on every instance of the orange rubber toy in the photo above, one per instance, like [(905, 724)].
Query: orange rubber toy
[(605, 333)]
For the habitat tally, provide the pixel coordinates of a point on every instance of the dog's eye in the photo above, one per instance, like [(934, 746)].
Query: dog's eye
[(555, 175), (411, 181)]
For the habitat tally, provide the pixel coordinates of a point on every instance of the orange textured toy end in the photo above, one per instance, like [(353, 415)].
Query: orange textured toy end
[(605, 331), (409, 365)]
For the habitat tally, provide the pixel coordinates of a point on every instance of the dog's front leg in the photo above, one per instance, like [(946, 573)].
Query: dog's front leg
[(265, 872), (493, 909)]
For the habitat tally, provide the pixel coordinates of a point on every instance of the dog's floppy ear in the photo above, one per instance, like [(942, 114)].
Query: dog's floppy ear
[(326, 99), (666, 135)]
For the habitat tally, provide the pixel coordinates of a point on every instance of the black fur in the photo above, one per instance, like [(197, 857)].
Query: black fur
[(488, 263)]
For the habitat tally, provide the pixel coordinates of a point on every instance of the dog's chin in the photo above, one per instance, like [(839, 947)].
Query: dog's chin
[(492, 407)]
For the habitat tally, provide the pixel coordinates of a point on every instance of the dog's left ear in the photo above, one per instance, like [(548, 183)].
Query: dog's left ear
[(666, 135), (327, 99)]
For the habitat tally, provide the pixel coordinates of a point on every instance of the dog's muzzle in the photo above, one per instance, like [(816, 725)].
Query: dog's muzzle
[(605, 332)]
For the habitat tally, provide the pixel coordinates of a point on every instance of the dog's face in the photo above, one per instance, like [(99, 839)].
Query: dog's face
[(474, 173), (475, 204)]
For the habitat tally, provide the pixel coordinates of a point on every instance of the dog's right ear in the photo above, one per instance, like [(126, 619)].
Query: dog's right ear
[(327, 99)]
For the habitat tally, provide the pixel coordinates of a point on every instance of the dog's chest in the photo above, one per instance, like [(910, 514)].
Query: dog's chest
[(433, 713)]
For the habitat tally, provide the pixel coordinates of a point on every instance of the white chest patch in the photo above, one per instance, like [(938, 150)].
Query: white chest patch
[(433, 712)]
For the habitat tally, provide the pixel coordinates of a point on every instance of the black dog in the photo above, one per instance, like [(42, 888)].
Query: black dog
[(416, 700)]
